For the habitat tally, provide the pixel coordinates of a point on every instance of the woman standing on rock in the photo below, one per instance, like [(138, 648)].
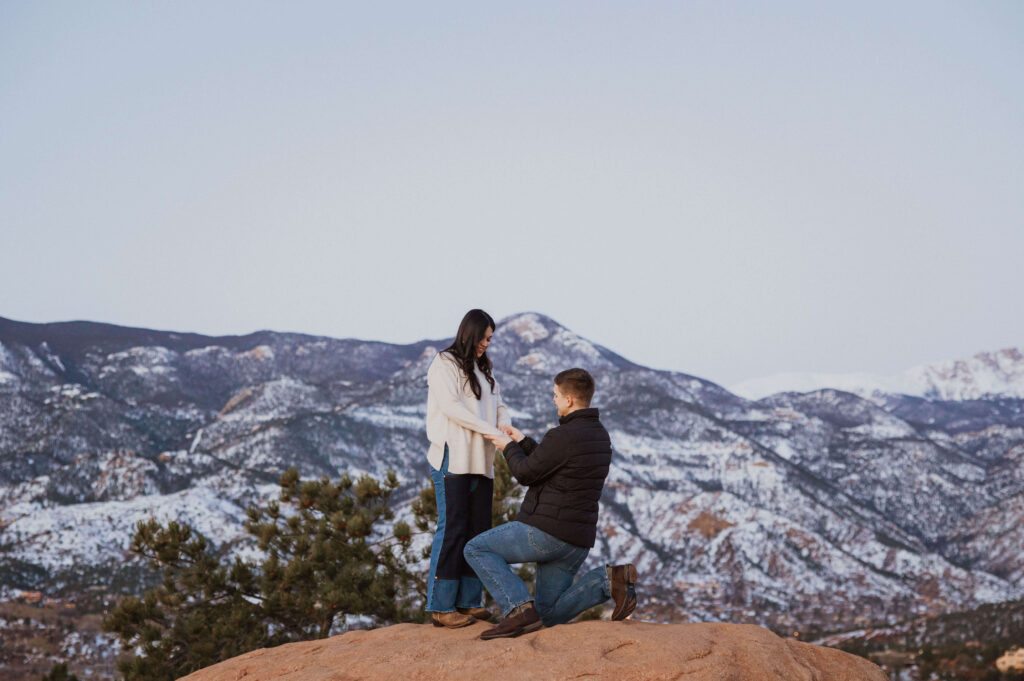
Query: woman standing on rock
[(463, 406)]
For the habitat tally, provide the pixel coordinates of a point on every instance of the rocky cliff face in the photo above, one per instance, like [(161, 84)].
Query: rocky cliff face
[(796, 510)]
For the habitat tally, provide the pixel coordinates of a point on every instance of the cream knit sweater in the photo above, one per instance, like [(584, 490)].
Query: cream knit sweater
[(456, 418)]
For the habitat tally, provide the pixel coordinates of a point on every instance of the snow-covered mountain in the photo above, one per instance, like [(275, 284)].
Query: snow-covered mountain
[(985, 375), (820, 509)]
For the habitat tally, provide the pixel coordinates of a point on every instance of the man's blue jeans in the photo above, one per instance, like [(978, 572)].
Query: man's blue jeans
[(557, 598)]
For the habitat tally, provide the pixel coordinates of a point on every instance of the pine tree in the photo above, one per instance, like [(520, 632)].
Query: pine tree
[(59, 672), (322, 564), (507, 493), (325, 543)]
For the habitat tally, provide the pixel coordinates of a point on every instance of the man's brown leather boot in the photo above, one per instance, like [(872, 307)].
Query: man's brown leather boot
[(452, 620), (623, 580), (521, 620)]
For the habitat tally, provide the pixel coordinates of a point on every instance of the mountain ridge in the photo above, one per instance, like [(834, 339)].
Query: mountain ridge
[(984, 374), (797, 510)]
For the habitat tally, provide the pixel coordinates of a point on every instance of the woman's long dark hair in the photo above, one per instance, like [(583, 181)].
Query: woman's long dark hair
[(463, 349)]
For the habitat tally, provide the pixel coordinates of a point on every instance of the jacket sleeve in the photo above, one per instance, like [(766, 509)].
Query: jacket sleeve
[(528, 444), (443, 379), (545, 459)]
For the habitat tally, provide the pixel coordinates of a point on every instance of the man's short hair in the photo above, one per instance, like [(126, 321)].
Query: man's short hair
[(578, 383)]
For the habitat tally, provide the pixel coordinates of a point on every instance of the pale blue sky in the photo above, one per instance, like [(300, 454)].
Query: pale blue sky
[(727, 189)]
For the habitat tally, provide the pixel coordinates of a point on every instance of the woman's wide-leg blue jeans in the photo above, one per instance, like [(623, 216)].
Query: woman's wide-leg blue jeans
[(463, 512)]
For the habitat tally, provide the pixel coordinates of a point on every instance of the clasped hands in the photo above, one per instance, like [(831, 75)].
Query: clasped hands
[(508, 433)]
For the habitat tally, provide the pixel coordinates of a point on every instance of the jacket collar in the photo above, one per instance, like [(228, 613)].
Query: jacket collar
[(588, 413)]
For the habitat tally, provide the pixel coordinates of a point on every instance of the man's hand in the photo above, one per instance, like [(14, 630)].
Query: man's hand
[(513, 433), (500, 441)]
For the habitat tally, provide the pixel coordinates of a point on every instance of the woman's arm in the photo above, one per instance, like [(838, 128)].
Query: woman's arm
[(504, 418), (443, 379)]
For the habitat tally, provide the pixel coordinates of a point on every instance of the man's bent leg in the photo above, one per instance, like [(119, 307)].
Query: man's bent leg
[(592, 588), (490, 553), (554, 577)]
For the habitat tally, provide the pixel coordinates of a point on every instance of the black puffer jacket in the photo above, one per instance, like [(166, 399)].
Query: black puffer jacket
[(565, 474)]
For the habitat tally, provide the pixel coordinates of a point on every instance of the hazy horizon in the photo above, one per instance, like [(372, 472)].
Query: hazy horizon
[(751, 383)]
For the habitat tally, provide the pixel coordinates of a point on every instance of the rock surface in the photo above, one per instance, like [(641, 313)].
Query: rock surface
[(597, 650)]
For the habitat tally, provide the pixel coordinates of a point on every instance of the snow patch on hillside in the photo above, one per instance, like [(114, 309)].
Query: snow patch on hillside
[(63, 537), (528, 327)]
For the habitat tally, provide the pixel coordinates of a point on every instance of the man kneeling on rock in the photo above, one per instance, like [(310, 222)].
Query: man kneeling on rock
[(557, 522)]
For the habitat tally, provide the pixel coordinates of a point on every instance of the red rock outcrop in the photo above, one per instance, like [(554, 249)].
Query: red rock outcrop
[(623, 651)]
